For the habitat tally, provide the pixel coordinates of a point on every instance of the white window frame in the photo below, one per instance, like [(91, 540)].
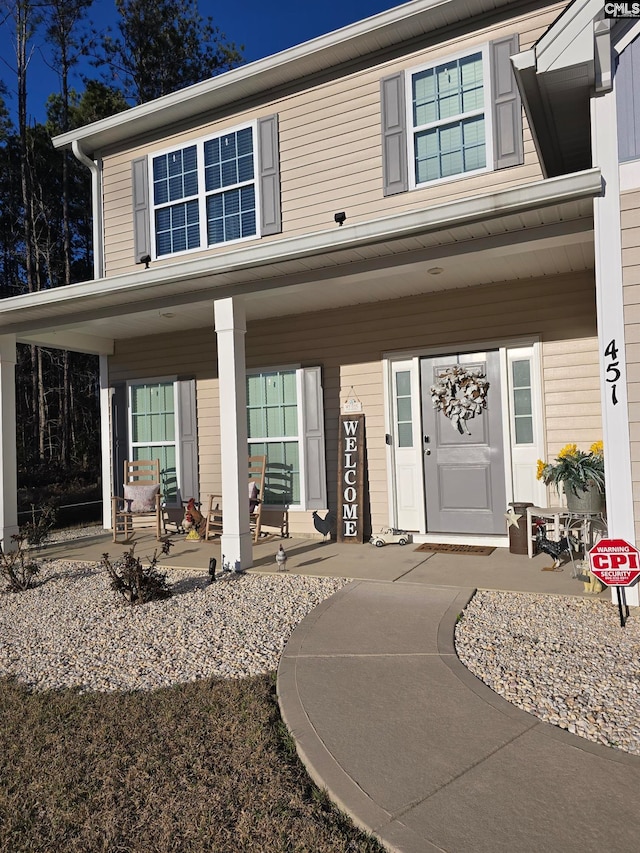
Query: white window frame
[(202, 194), (164, 380), (523, 455), (300, 436), (392, 364), (522, 355), (488, 125), (300, 407), (510, 349)]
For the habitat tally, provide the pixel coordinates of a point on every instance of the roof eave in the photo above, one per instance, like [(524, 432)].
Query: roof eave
[(370, 35), (536, 107)]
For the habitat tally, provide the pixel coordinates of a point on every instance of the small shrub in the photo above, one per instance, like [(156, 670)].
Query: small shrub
[(17, 567), (37, 532), (136, 582)]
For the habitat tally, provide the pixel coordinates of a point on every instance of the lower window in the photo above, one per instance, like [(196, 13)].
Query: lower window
[(285, 423), (152, 411)]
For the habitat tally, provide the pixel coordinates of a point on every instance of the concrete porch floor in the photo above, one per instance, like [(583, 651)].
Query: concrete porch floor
[(391, 563)]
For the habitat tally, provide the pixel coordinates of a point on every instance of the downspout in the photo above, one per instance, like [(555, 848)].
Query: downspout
[(96, 205), (105, 391)]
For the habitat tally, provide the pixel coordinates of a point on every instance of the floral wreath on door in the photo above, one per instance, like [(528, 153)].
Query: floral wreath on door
[(460, 395)]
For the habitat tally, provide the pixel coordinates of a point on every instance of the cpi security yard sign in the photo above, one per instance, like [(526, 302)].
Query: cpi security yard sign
[(615, 562)]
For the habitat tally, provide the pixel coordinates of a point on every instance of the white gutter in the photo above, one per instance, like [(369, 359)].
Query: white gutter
[(378, 32), (96, 207)]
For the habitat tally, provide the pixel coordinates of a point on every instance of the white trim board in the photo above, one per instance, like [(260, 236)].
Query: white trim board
[(412, 358)]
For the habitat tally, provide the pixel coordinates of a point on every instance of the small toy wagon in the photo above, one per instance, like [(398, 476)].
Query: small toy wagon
[(389, 536)]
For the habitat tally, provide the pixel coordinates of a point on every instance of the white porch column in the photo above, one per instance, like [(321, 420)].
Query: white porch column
[(231, 327), (8, 462), (105, 442), (611, 333)]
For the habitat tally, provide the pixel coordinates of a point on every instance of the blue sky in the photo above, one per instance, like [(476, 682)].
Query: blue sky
[(263, 28)]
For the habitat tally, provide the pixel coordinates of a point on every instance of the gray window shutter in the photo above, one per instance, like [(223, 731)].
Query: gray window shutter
[(141, 225), (119, 438), (395, 175), (269, 173), (188, 440), (627, 83), (315, 467), (508, 147)]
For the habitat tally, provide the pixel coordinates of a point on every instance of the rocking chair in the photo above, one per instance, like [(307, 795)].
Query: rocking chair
[(257, 473), (141, 499)]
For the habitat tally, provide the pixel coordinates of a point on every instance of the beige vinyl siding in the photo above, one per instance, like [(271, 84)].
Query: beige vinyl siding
[(572, 405), (192, 354), (330, 151), (630, 223), (350, 344)]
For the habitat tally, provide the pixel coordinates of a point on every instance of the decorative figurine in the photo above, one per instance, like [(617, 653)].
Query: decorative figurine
[(390, 535)]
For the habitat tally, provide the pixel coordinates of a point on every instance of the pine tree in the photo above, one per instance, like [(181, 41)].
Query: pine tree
[(163, 46)]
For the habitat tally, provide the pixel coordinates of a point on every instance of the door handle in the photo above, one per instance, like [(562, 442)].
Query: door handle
[(427, 453)]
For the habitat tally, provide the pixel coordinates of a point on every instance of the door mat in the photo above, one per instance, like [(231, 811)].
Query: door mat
[(477, 550)]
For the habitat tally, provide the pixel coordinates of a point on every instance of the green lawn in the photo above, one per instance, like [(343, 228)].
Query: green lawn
[(207, 766)]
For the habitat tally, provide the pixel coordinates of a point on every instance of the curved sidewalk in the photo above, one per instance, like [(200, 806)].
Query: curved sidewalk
[(424, 755)]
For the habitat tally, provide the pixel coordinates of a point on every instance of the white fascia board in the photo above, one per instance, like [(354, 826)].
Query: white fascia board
[(385, 29), (525, 70), (585, 184), (73, 341), (569, 41), (524, 61)]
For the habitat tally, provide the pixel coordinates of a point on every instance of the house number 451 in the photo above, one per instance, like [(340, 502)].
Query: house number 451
[(612, 371)]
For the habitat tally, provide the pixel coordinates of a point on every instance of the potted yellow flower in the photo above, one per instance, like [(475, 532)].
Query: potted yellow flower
[(581, 475)]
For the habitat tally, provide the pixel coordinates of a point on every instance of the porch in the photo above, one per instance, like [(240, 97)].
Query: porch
[(342, 312), (391, 564)]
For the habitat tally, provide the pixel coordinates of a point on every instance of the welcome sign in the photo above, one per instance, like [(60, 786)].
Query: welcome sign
[(351, 478)]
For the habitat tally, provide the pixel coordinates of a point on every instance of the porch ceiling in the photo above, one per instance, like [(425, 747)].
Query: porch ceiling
[(344, 267)]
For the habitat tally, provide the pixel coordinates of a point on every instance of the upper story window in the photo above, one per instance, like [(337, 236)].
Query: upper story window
[(459, 116), (450, 119), (209, 192), (205, 193)]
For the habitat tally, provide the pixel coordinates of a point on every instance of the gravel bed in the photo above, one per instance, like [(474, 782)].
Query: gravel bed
[(72, 630), (67, 534), (565, 660)]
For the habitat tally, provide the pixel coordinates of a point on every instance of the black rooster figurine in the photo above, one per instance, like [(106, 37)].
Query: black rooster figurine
[(324, 525), (551, 547)]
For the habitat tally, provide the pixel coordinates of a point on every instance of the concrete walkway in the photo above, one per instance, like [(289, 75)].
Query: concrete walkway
[(418, 751), (402, 736)]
